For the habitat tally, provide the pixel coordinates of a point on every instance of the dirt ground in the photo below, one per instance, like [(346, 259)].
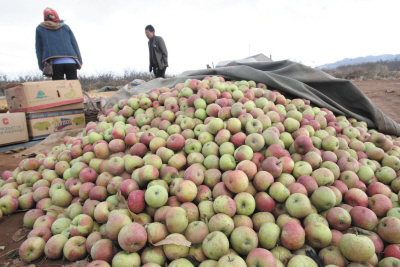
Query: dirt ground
[(387, 101)]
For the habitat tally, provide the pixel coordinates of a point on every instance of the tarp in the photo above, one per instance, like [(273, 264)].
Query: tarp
[(108, 88), (47, 144), (296, 80)]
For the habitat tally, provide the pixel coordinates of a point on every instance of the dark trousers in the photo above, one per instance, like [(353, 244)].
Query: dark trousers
[(159, 73), (69, 70)]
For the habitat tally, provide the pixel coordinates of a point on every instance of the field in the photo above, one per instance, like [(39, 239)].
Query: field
[(384, 93), (388, 101)]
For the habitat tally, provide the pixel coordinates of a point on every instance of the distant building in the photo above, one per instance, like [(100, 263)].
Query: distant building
[(256, 58), (261, 57)]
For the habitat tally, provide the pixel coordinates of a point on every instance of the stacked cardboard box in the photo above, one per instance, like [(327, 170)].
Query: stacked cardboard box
[(50, 106), (13, 128)]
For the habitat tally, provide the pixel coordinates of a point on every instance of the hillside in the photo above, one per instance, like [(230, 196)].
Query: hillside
[(368, 71), (359, 60)]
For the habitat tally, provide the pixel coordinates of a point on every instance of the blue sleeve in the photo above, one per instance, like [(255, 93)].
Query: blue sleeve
[(39, 48), (75, 45)]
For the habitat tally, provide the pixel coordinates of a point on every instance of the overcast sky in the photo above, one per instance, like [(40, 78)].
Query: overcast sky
[(111, 35)]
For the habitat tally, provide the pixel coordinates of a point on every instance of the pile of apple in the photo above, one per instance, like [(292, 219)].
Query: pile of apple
[(213, 173)]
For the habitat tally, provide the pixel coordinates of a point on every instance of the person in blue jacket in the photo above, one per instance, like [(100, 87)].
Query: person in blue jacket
[(56, 45)]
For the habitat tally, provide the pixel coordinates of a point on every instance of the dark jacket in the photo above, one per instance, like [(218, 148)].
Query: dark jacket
[(54, 40), (160, 52)]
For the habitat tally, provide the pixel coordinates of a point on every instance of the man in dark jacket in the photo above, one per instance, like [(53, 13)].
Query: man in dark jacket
[(158, 53), (56, 45)]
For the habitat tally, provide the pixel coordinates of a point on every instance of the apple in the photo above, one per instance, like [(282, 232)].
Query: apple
[(92, 239), (115, 224), (156, 232), (225, 204), (42, 232), (203, 193), (237, 181), (45, 220), (356, 197), (156, 196), (60, 225), (186, 191), (116, 165), (98, 263), (98, 193), (323, 198), (32, 249), (102, 210), (350, 178), (303, 144), (292, 236), (231, 260), (103, 250), (348, 164), (196, 232), (263, 180), (273, 166), (339, 218), (8, 204), (215, 245), (379, 188), (314, 217), (176, 219), (124, 258), (260, 257), (318, 235), (132, 237), (245, 203), (364, 218), (301, 260), (153, 256), (388, 229), (298, 205), (26, 201), (31, 216), (323, 176), (389, 261), (192, 212), (356, 247), (279, 192), (243, 240), (54, 246), (301, 168), (172, 250), (380, 204), (264, 202), (392, 251), (74, 249), (394, 212), (222, 223)]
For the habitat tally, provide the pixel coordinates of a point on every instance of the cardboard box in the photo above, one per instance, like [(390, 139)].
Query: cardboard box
[(60, 108), (33, 96), (13, 128), (41, 125)]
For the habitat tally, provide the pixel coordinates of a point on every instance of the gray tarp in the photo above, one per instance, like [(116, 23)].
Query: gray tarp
[(323, 90), (108, 88)]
